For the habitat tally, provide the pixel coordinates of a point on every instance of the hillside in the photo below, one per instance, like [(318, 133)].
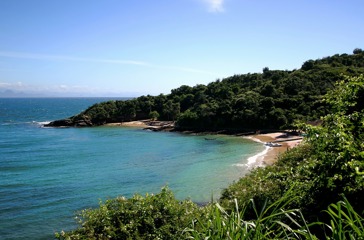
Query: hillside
[(273, 99)]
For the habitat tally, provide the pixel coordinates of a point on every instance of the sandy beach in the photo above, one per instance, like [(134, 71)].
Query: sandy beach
[(139, 124), (287, 142)]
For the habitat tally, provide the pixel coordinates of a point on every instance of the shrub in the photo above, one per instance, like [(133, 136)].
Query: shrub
[(158, 216)]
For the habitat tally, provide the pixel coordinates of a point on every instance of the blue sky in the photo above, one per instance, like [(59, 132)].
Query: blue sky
[(130, 48)]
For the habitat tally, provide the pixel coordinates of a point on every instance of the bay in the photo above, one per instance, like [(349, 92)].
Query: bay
[(48, 174)]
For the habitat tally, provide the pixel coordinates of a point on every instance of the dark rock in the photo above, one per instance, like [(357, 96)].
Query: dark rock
[(83, 123), (60, 123), (70, 123)]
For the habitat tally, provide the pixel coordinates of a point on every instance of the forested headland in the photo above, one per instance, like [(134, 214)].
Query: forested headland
[(273, 99), (314, 191)]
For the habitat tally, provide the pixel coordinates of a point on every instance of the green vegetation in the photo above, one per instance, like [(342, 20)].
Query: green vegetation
[(314, 191), (273, 99), (158, 216), (329, 165)]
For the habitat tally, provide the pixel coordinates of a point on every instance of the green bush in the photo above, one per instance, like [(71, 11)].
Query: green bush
[(158, 216)]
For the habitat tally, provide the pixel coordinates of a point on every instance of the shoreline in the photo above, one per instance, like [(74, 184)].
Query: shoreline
[(271, 153), (145, 124), (139, 124), (267, 157)]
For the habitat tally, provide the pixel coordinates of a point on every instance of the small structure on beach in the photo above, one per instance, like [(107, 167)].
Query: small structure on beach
[(272, 144)]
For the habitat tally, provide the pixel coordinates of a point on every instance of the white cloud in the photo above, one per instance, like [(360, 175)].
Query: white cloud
[(66, 58), (36, 56), (21, 89), (215, 5), (4, 85), (16, 86)]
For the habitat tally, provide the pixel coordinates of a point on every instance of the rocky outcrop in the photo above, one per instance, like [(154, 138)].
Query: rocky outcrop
[(69, 123), (60, 123), (83, 123)]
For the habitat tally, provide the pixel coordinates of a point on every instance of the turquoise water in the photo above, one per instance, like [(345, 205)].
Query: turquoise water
[(47, 174)]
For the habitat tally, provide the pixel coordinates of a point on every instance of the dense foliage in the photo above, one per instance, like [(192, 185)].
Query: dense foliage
[(272, 99), (330, 163), (158, 216)]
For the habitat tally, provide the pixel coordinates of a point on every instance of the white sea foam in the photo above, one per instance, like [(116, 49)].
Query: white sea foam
[(254, 161), (41, 123)]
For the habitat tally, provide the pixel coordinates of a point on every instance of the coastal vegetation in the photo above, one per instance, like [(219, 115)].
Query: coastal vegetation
[(326, 167), (273, 99), (313, 191)]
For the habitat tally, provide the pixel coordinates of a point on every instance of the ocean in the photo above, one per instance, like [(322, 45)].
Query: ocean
[(48, 174)]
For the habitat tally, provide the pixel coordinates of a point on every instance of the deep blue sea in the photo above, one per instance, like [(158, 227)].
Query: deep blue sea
[(48, 174)]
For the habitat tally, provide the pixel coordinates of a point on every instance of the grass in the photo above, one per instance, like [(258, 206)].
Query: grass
[(345, 222), (275, 222), (270, 222)]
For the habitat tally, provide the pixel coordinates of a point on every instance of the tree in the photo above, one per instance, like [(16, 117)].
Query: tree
[(308, 65), (357, 50), (154, 115), (247, 108), (127, 111), (186, 101), (171, 110), (188, 119)]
